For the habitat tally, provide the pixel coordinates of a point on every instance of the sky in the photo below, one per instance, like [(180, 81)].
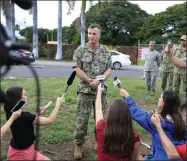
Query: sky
[(48, 12)]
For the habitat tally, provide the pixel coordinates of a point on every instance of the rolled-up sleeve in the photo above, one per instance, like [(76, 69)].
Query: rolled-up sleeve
[(184, 61), (109, 64), (77, 58)]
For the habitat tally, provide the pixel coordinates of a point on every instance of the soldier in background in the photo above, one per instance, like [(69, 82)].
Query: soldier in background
[(179, 73), (89, 61), (166, 69), (151, 67)]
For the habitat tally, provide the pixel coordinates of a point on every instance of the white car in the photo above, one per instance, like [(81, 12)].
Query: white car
[(119, 59)]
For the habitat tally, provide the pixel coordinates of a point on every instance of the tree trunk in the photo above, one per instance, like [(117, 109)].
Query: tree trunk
[(59, 45), (35, 28), (83, 21), (83, 28), (13, 22), (8, 17)]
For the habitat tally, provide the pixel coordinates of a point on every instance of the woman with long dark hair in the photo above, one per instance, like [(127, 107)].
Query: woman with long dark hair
[(172, 122), (116, 138), (23, 137)]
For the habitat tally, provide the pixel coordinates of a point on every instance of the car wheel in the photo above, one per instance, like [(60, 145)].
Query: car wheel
[(117, 65)]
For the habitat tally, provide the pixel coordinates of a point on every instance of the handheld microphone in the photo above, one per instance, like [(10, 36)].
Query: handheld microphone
[(117, 82), (101, 78), (69, 82), (24, 4)]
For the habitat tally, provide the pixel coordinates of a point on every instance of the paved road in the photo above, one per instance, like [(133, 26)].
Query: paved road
[(58, 69)]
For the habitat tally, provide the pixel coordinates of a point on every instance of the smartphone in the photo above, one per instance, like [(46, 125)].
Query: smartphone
[(46, 106), (18, 106)]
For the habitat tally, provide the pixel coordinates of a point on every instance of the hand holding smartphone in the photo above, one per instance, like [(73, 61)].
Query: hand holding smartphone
[(18, 106)]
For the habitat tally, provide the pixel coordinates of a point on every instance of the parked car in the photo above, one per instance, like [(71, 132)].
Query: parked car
[(22, 57), (119, 59)]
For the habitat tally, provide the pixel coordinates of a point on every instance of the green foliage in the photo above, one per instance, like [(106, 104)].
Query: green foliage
[(119, 21), (170, 24), (49, 51), (122, 23)]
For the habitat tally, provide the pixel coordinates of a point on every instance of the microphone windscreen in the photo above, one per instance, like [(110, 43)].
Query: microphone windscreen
[(71, 78), (24, 4)]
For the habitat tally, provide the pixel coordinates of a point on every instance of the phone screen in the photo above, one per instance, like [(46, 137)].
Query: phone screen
[(18, 106)]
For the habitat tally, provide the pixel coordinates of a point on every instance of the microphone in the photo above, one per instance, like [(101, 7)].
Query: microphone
[(69, 82), (24, 4), (117, 82), (101, 78)]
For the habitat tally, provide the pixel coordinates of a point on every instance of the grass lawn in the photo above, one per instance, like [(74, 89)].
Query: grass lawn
[(141, 62), (62, 129)]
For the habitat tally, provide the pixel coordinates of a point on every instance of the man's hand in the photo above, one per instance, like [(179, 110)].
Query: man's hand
[(167, 51), (156, 120), (94, 83)]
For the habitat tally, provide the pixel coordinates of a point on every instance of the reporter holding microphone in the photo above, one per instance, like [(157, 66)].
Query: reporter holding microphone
[(23, 136)]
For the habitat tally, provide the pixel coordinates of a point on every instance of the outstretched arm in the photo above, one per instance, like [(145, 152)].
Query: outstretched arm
[(167, 144), (42, 121), (98, 105), (140, 116)]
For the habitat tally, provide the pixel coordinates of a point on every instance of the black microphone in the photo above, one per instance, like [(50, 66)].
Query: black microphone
[(117, 82), (24, 4), (70, 81)]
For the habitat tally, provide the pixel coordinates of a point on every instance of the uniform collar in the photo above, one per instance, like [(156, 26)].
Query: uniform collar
[(87, 46)]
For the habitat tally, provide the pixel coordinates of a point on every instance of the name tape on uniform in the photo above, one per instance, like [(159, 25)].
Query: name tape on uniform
[(100, 77)]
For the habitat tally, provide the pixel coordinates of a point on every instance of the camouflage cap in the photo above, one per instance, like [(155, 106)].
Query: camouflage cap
[(152, 43), (183, 37)]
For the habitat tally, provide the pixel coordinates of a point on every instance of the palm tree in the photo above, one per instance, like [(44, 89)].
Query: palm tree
[(59, 45), (13, 22), (17, 27), (6, 6), (35, 28), (82, 17), (83, 21)]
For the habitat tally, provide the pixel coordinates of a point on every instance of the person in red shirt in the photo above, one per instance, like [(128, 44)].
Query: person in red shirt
[(116, 138)]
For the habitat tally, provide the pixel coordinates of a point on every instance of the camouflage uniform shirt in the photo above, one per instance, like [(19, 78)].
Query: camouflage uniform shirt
[(166, 65), (180, 52), (184, 61), (93, 62)]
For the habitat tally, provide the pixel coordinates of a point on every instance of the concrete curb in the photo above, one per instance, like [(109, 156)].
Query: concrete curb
[(70, 64)]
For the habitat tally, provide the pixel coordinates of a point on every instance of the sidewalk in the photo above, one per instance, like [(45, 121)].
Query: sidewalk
[(70, 64)]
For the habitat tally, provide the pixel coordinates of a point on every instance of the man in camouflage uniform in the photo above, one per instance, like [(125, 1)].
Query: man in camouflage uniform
[(166, 70), (179, 73), (151, 67), (89, 61)]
